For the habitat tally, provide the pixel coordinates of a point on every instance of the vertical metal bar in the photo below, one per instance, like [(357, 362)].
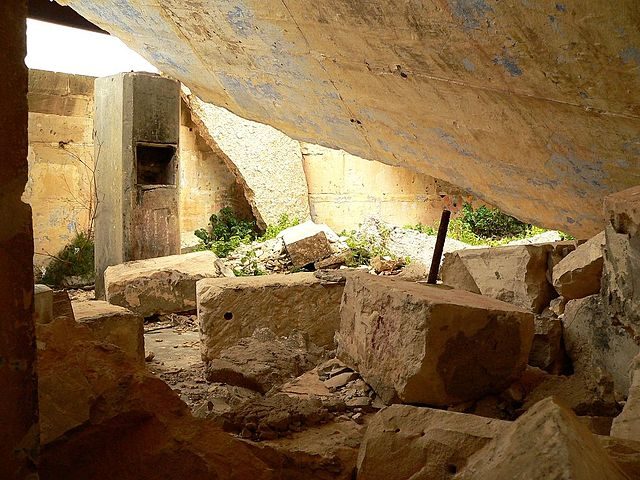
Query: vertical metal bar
[(439, 247)]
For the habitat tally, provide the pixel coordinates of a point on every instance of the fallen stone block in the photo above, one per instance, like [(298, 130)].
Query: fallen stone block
[(621, 275), (62, 305), (425, 344), (547, 350), (403, 442), (263, 361), (307, 243), (627, 424), (233, 308), (160, 285), (579, 274), (113, 324), (43, 304), (546, 442), (596, 346), (513, 274)]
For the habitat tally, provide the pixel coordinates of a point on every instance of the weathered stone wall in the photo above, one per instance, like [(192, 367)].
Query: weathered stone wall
[(18, 386), (344, 190), (60, 140)]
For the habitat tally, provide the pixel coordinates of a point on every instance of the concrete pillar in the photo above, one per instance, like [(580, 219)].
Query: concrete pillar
[(18, 382), (137, 125)]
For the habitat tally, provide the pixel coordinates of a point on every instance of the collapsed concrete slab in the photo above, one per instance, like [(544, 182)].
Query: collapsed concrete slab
[(424, 344), (233, 308), (161, 285), (267, 163), (621, 283), (627, 424), (596, 346), (579, 274), (404, 442), (113, 324), (546, 442), (513, 274)]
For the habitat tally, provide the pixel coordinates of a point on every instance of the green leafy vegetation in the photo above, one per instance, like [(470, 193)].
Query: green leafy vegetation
[(364, 247), (484, 226), (74, 260), (249, 266), (226, 232), (283, 223)]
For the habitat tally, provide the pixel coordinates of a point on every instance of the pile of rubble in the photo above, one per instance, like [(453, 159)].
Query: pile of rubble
[(524, 363)]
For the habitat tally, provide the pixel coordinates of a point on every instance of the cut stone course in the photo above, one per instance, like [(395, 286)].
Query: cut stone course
[(425, 344), (403, 442), (113, 324), (233, 308), (597, 347), (579, 274), (546, 442), (43, 304), (513, 274), (161, 285)]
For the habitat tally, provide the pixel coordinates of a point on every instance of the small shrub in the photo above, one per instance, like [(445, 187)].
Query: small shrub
[(426, 229), (365, 247), (283, 223), (226, 232), (74, 260), (491, 223)]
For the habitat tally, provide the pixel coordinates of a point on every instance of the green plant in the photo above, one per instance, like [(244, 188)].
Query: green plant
[(283, 223), (426, 229), (74, 260), (226, 232), (491, 223), (249, 266), (365, 247)]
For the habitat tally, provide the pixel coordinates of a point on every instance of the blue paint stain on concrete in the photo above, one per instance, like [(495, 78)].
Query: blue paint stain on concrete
[(630, 55), (452, 142), (471, 12), (240, 21), (509, 63), (468, 65)]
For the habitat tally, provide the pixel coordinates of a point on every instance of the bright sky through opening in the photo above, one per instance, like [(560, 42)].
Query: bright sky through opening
[(70, 50)]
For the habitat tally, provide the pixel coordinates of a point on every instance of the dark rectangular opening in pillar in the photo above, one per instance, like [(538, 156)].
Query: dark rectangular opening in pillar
[(155, 164)]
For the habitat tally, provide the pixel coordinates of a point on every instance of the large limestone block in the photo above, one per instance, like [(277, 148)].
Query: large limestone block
[(43, 303), (307, 243), (160, 285), (513, 274), (579, 274), (596, 346), (547, 442), (621, 283), (233, 308), (113, 324), (627, 424), (425, 344), (421, 443)]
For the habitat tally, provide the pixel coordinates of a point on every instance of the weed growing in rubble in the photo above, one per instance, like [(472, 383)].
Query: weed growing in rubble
[(365, 247), (226, 232), (283, 223), (74, 260)]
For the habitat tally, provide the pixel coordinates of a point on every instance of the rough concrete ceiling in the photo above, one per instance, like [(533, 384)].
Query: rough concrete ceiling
[(532, 105)]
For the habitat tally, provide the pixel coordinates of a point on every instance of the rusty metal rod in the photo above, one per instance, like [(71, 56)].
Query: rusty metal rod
[(437, 251)]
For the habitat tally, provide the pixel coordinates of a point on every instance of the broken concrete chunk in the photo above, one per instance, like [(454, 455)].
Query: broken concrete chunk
[(579, 274), (627, 424), (420, 443), (513, 274), (547, 351), (336, 260), (594, 345), (307, 243), (546, 442), (113, 324), (160, 285), (263, 361), (425, 344), (43, 304), (232, 308)]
